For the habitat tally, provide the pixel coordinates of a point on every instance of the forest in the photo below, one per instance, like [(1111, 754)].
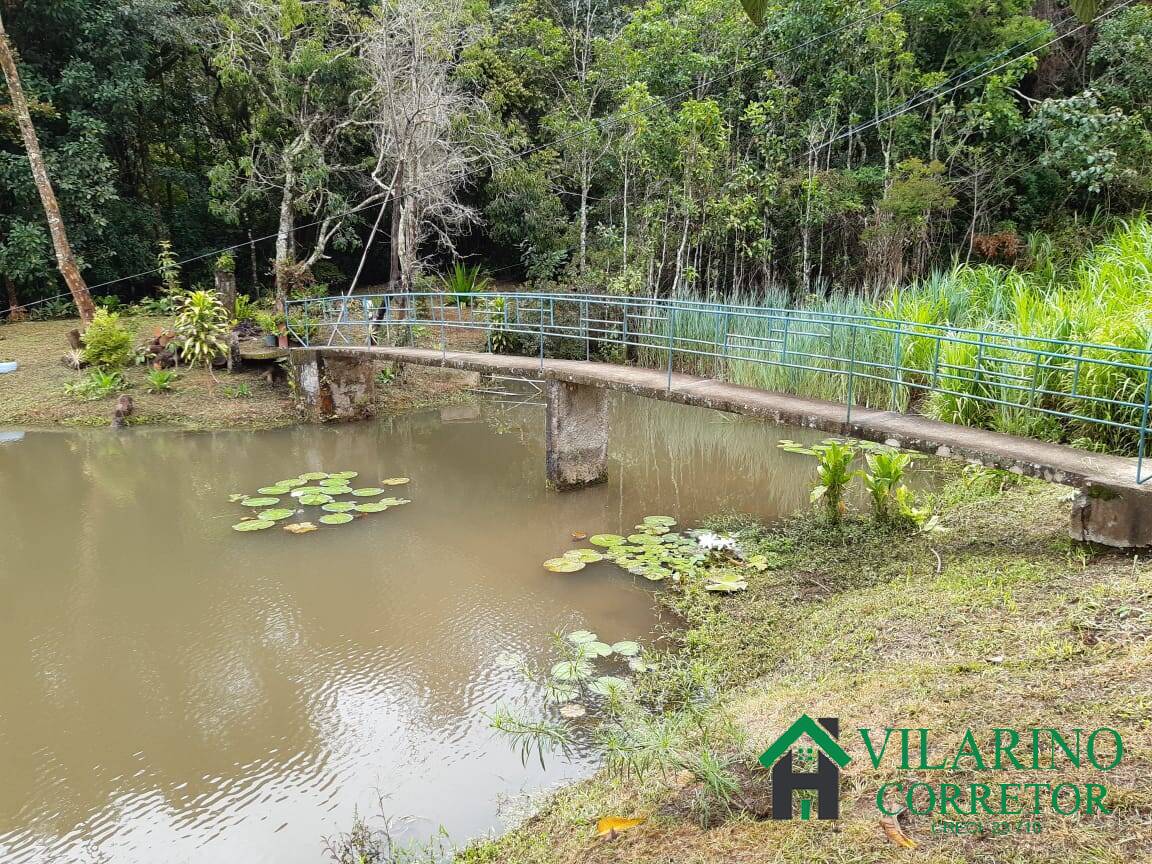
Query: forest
[(668, 147)]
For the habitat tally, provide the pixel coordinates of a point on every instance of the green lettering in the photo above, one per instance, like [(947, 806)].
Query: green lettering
[(1092, 749), (1096, 795), (980, 793), (1010, 799), (872, 754), (924, 766), (969, 749), (1003, 750)]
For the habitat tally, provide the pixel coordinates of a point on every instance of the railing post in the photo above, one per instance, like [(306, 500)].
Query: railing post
[(541, 305), (897, 379), (367, 306), (671, 336), (1144, 416), (851, 375), (584, 327), (444, 325)]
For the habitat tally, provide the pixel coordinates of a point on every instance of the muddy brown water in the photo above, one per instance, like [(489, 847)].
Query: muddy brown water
[(172, 690)]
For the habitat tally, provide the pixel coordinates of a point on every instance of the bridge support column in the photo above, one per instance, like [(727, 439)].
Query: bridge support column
[(576, 435), (1112, 517), (332, 386)]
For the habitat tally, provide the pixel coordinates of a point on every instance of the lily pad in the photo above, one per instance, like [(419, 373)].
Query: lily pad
[(275, 515), (595, 649), (395, 481), (300, 527), (606, 685), (314, 475), (563, 565), (572, 670), (626, 648), (585, 556), (310, 490), (579, 637), (312, 499), (273, 490), (606, 540), (344, 475), (336, 518), (662, 521), (367, 492), (336, 490), (253, 525), (334, 481), (260, 502), (726, 584), (339, 507), (290, 483), (371, 507)]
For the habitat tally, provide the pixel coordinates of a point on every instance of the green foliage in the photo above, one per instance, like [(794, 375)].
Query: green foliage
[(161, 380), (883, 480), (201, 328), (246, 310), (97, 384), (236, 391), (463, 282), (169, 268), (107, 342), (833, 473)]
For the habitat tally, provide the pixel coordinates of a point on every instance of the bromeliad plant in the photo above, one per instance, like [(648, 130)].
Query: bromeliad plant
[(462, 283)]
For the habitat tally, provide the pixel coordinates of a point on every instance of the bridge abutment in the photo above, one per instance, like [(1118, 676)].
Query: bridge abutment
[(1111, 516), (331, 386), (576, 435)]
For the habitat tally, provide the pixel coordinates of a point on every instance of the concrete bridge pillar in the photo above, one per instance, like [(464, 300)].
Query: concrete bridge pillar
[(576, 435), (333, 386)]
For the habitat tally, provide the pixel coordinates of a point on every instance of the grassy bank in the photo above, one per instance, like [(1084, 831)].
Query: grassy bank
[(35, 394), (996, 620)]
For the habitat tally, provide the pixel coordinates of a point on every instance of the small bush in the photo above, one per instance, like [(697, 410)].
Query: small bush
[(161, 380), (834, 473), (97, 384), (201, 327), (107, 342)]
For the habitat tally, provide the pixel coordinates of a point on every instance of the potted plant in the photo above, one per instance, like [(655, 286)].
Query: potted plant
[(266, 321)]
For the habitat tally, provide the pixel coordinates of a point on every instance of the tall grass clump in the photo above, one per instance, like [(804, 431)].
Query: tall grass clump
[(1015, 373)]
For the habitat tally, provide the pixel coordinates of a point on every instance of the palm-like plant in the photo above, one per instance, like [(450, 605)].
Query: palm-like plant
[(201, 327)]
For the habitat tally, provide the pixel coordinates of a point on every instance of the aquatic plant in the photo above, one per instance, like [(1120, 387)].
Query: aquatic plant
[(323, 490), (833, 473), (883, 478)]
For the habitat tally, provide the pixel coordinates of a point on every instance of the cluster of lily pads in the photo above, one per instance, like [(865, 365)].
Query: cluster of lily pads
[(790, 446), (656, 552), (575, 676), (284, 499)]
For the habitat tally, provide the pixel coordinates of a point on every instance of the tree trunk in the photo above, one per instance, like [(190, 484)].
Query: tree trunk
[(284, 257), (64, 259), (15, 310)]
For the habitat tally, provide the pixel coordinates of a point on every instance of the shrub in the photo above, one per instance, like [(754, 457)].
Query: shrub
[(201, 327), (107, 342), (883, 480), (462, 283)]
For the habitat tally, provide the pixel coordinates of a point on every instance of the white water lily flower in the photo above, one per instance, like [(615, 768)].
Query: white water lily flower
[(716, 542)]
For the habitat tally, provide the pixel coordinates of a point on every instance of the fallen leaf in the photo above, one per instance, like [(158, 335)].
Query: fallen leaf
[(579, 535), (300, 527), (610, 826), (895, 833)]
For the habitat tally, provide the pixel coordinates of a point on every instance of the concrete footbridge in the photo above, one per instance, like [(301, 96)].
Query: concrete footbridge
[(746, 360)]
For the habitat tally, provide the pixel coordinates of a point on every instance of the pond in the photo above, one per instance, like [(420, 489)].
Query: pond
[(175, 690)]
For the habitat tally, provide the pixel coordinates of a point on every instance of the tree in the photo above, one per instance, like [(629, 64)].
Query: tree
[(65, 260), (295, 64), (430, 133)]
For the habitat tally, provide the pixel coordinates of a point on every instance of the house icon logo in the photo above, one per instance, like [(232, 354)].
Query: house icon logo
[(827, 755)]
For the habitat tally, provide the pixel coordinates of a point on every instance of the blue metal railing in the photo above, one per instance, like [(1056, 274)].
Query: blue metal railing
[(1029, 385)]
